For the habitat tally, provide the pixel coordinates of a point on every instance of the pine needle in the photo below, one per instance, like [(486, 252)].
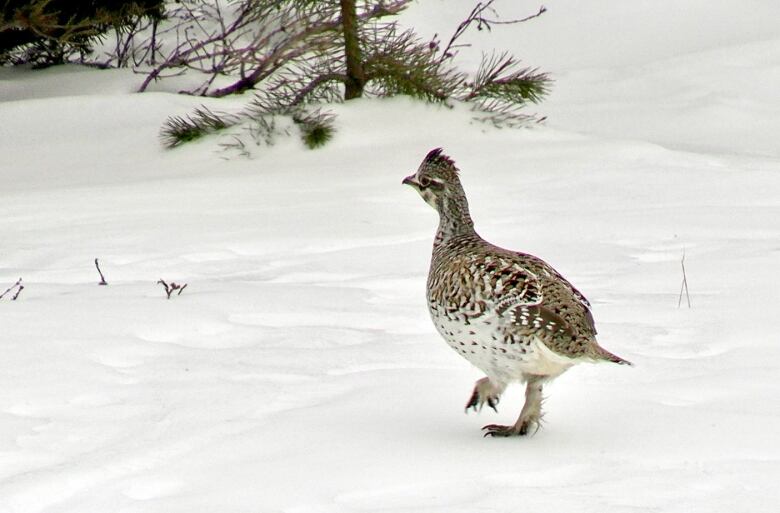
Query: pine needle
[(316, 127), (177, 130)]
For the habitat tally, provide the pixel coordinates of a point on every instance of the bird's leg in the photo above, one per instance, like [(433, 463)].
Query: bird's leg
[(530, 415), (485, 391)]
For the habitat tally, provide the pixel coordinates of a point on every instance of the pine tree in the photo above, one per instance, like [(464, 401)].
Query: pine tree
[(335, 50), (355, 79)]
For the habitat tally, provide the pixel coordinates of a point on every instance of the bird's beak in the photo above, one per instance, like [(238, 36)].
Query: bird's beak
[(409, 180)]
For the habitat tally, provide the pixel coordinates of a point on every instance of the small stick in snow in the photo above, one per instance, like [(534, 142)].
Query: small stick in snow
[(172, 287), (684, 285), (102, 278), (12, 287)]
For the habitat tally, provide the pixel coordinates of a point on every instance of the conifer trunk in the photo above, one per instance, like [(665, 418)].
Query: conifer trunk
[(356, 78)]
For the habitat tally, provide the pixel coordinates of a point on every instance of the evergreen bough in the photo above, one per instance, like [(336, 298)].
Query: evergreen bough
[(178, 130), (49, 32), (317, 64)]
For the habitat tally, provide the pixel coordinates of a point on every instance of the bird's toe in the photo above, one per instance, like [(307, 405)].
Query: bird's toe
[(473, 401), (497, 430), (484, 392)]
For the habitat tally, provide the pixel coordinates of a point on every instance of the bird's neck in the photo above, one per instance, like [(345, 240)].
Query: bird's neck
[(454, 219)]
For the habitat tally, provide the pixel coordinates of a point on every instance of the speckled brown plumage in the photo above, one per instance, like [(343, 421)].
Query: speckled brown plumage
[(509, 313)]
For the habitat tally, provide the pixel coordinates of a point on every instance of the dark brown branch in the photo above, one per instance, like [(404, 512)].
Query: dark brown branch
[(102, 278)]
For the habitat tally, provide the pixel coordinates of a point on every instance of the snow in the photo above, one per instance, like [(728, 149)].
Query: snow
[(299, 372)]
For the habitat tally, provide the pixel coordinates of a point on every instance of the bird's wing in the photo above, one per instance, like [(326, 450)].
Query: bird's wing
[(540, 295), (562, 295), (571, 294)]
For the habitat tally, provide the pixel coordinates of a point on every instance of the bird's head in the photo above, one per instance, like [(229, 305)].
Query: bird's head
[(436, 180)]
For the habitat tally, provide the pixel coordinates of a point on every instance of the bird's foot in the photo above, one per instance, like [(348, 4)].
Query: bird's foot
[(484, 392), (523, 427)]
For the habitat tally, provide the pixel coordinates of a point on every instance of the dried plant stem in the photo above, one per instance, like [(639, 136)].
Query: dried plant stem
[(102, 278), (18, 285), (172, 287), (684, 285)]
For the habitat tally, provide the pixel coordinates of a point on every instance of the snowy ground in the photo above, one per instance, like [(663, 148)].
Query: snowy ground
[(299, 372)]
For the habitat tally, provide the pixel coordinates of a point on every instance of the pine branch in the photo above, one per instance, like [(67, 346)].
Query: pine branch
[(302, 81), (40, 18), (499, 78), (500, 90), (316, 127), (401, 63), (177, 130)]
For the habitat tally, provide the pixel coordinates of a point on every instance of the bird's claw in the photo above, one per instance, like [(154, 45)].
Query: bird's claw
[(523, 429), (476, 402), (498, 430), (473, 401), (481, 395)]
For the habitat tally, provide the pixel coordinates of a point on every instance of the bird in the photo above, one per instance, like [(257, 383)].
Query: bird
[(510, 314)]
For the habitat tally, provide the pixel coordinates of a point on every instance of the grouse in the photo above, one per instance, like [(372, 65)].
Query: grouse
[(508, 313)]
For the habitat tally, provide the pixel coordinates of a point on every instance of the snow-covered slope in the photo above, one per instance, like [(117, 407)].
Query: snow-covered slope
[(299, 371), (694, 75)]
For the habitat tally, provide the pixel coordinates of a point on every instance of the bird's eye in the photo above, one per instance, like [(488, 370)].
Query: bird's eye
[(425, 181)]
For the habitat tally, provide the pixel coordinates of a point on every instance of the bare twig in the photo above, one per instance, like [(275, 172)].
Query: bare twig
[(684, 285), (19, 291), (251, 40), (542, 10), (477, 16), (18, 285), (172, 287), (102, 278)]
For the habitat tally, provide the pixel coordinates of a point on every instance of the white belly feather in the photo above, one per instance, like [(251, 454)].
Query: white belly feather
[(478, 343)]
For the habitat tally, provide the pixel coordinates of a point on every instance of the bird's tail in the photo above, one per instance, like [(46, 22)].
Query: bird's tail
[(603, 354)]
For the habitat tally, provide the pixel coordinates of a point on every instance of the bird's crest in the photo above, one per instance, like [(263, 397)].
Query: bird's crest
[(435, 158)]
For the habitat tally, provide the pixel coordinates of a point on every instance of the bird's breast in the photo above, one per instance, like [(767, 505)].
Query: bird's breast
[(501, 353)]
